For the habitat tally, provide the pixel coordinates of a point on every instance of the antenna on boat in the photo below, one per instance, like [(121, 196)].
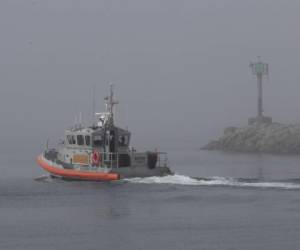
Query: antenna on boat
[(47, 144), (107, 118), (93, 104), (80, 120), (75, 122), (110, 102)]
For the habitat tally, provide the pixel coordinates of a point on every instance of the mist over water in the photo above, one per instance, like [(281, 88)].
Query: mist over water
[(180, 68), (181, 74)]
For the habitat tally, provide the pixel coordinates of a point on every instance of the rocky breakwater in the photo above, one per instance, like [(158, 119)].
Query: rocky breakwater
[(272, 138)]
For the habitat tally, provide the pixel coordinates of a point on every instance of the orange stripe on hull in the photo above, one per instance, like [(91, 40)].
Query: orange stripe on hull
[(75, 174)]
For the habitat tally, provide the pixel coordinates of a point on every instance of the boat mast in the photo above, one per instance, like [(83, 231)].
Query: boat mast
[(94, 105), (110, 103)]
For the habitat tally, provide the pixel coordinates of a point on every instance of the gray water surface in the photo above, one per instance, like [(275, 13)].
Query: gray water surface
[(156, 213)]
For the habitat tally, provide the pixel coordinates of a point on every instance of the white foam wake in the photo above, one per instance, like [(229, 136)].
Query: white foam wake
[(214, 181)]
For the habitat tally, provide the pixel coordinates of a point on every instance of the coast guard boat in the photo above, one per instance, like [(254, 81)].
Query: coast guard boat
[(101, 152)]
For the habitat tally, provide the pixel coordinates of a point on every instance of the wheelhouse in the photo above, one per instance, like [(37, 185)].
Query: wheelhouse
[(79, 138)]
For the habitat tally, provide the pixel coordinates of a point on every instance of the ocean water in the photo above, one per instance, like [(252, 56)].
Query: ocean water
[(214, 201)]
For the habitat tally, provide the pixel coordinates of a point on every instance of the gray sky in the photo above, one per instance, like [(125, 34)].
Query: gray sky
[(180, 67)]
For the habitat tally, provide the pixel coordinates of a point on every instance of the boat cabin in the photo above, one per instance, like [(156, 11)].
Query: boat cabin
[(109, 142), (92, 152)]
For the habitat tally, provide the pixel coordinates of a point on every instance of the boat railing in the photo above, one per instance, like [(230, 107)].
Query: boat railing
[(113, 160), (117, 160), (162, 159), (109, 160)]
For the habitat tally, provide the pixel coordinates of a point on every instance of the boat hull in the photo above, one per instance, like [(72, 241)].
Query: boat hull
[(72, 174), (118, 173), (142, 171)]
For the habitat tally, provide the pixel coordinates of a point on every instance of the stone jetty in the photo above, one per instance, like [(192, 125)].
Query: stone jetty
[(274, 138)]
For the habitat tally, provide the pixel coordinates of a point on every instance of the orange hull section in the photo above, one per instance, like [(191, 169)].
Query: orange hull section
[(75, 174)]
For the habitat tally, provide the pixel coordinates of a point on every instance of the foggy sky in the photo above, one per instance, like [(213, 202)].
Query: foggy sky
[(180, 68)]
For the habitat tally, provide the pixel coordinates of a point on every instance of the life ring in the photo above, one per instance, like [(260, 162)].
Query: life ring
[(96, 158)]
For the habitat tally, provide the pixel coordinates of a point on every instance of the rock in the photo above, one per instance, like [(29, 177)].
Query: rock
[(229, 130), (273, 138)]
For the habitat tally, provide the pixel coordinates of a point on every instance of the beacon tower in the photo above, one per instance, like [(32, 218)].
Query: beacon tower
[(259, 69)]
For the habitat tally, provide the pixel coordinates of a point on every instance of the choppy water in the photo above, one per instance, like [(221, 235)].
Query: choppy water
[(215, 201)]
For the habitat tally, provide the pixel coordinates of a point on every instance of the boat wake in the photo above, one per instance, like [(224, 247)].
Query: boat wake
[(42, 177), (178, 179), (215, 181)]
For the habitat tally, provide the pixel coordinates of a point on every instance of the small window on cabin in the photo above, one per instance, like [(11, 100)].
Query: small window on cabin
[(97, 141), (80, 140), (69, 139), (87, 140), (73, 139), (123, 140)]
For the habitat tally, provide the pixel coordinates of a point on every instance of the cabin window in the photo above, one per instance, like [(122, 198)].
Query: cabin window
[(87, 140), (97, 141), (71, 139), (80, 140), (123, 140)]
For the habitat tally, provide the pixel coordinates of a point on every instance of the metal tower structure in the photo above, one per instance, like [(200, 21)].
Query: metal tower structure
[(260, 69)]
